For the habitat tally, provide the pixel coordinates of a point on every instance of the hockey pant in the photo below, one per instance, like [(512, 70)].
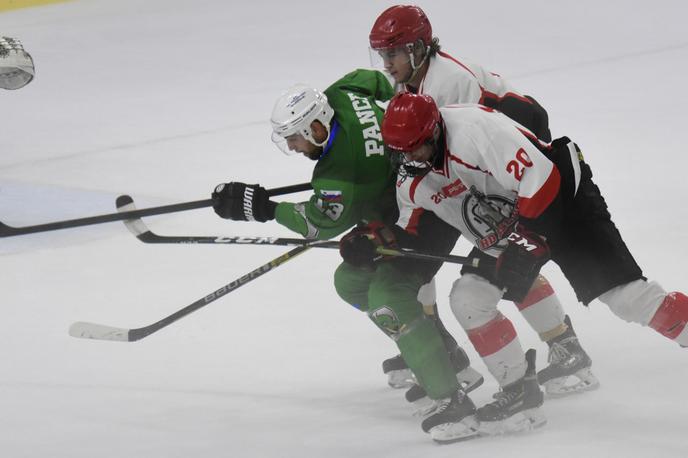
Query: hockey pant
[(526, 111), (591, 253), (389, 296)]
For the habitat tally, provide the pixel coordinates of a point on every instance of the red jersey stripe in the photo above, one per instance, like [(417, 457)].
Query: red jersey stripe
[(532, 207), (444, 54), (412, 226), (414, 184)]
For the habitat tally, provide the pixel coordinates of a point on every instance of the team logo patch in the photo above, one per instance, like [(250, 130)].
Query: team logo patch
[(488, 218), (387, 320)]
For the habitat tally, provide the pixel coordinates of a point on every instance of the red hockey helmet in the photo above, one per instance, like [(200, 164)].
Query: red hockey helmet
[(409, 121), (400, 25)]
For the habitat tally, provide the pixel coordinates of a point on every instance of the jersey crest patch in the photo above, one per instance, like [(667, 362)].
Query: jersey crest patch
[(387, 320), (488, 217)]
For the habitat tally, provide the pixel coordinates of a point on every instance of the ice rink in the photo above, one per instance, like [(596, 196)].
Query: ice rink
[(163, 99)]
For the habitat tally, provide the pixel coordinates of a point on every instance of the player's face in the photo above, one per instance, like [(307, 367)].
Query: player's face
[(421, 154), (299, 144), (397, 62)]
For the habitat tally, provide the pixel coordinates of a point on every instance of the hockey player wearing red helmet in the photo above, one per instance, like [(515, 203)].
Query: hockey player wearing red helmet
[(401, 41), (471, 152)]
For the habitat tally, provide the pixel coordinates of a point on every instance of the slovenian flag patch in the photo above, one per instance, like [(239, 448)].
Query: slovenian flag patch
[(331, 196)]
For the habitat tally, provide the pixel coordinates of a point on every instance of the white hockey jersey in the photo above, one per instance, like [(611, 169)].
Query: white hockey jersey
[(492, 174), (450, 81)]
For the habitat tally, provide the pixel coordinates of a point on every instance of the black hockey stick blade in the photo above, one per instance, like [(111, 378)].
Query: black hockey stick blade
[(10, 231), (139, 229), (86, 330)]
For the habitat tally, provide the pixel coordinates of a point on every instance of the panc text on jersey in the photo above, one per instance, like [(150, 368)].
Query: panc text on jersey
[(371, 135)]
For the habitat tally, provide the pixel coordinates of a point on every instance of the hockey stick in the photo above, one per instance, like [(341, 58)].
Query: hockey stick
[(9, 231), (142, 232), (87, 330)]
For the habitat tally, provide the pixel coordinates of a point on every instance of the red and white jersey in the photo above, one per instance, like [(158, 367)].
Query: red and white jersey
[(451, 81), (488, 157)]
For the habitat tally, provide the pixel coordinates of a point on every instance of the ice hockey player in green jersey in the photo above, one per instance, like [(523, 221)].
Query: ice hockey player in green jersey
[(340, 130), (353, 182)]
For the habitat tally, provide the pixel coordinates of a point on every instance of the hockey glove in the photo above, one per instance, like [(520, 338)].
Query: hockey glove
[(359, 247), (243, 202), (520, 263)]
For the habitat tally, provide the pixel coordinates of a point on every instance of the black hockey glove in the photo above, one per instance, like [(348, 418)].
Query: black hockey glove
[(359, 247), (243, 202), (520, 263)]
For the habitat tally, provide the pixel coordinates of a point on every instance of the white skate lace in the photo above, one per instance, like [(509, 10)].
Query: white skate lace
[(434, 408), (559, 354), (442, 405), (504, 397)]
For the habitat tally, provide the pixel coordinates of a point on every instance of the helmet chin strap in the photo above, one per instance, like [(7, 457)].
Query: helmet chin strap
[(414, 66)]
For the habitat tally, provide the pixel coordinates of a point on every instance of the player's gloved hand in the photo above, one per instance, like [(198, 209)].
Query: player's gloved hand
[(520, 263), (243, 202), (16, 65), (359, 247)]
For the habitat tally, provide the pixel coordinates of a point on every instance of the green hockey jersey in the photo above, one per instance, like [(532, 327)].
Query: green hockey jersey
[(353, 180)]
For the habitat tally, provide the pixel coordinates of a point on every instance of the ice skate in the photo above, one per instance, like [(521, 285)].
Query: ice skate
[(469, 379), (452, 419), (516, 407), (569, 366), (398, 373)]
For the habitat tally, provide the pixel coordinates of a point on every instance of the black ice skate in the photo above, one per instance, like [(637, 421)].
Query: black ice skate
[(398, 373), (569, 366), (469, 379), (516, 406), (452, 420)]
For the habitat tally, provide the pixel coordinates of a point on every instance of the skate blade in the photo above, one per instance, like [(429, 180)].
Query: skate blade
[(521, 422), (581, 381), (469, 379), (448, 433), (402, 378)]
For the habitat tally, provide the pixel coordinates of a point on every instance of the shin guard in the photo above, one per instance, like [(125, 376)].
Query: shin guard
[(671, 317)]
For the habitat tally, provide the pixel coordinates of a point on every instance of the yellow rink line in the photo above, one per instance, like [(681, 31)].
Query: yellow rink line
[(6, 5)]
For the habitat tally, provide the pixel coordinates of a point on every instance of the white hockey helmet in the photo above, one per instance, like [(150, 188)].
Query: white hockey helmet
[(294, 112)]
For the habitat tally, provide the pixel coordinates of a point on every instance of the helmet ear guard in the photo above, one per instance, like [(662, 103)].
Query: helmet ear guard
[(294, 112)]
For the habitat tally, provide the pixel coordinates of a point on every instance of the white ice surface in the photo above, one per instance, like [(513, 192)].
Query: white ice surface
[(163, 99)]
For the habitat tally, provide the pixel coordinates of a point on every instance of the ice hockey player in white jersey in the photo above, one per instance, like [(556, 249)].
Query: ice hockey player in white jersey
[(401, 42), (16, 65), (545, 205)]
